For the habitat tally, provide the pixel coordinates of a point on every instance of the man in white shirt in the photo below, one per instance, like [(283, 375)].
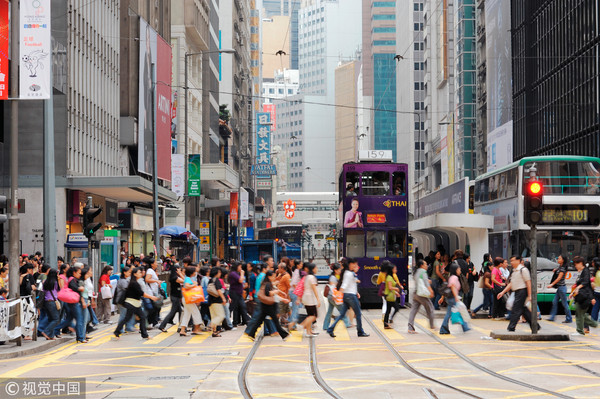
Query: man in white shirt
[(520, 285), (349, 287)]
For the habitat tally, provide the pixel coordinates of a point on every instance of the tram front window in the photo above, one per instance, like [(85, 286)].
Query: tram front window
[(396, 244), (355, 244), (375, 244)]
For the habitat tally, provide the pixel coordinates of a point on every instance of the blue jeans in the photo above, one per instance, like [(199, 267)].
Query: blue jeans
[(130, 325), (74, 310), (488, 301), (43, 321), (561, 294), (596, 308), (436, 289), (295, 307), (350, 301), (53, 318), (444, 328), (330, 308)]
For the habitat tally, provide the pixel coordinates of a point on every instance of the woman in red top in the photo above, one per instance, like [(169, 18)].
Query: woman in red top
[(103, 306)]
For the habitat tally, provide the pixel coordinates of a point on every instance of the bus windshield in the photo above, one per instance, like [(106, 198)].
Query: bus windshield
[(567, 177)]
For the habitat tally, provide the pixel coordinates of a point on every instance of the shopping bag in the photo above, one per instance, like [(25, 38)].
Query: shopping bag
[(193, 295), (455, 316)]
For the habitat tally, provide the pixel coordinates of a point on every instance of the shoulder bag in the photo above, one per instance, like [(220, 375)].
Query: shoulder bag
[(263, 298)]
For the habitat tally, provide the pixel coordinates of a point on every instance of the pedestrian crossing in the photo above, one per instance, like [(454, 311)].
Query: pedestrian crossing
[(391, 334), (161, 337)]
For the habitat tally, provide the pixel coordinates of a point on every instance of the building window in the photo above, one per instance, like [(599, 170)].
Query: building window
[(384, 4), (384, 17), (384, 42), (384, 30), (417, 66)]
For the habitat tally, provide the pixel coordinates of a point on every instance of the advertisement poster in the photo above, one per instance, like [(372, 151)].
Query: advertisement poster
[(35, 49), (194, 175), (233, 206), (4, 28), (178, 174), (244, 211), (163, 108), (155, 53)]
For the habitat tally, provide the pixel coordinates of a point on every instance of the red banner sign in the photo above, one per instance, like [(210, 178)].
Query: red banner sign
[(376, 218), (233, 206), (4, 49)]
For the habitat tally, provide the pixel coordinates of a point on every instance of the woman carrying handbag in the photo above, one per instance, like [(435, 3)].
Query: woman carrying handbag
[(105, 296), (268, 296), (421, 297)]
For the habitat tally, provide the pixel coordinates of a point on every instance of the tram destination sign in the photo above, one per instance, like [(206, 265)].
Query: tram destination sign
[(573, 215)]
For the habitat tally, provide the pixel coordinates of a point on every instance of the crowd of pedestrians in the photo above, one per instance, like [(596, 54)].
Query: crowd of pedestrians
[(213, 297)]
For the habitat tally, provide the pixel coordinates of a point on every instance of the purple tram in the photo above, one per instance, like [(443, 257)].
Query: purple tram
[(374, 220)]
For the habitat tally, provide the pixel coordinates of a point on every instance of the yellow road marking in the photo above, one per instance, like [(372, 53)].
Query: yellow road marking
[(197, 339), (63, 351), (295, 336), (100, 341), (162, 336), (341, 333), (425, 324), (245, 339), (392, 334)]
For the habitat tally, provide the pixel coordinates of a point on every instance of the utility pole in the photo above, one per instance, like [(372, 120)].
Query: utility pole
[(50, 253), (155, 210), (13, 219)]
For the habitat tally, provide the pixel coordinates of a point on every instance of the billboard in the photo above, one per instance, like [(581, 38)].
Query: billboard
[(244, 202), (233, 206), (155, 54), (500, 147), (35, 48), (272, 110), (498, 63)]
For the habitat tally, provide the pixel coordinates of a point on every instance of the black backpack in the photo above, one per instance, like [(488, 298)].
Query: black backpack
[(446, 291)]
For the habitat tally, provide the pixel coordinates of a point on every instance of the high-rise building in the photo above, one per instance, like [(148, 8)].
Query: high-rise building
[(275, 45), (327, 36), (380, 71), (349, 138), (556, 80), (288, 8)]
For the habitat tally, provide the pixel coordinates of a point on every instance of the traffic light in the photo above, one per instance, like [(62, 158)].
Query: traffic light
[(534, 191), (3, 217), (89, 226)]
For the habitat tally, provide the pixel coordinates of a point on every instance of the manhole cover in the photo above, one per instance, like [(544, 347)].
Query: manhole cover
[(170, 377)]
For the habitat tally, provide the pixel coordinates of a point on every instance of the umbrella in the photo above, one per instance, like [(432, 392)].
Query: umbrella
[(176, 231)]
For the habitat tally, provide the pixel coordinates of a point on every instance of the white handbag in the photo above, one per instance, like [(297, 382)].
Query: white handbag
[(422, 290), (106, 292)]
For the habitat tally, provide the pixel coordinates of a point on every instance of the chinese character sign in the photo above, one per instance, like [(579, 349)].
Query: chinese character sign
[(263, 138), (35, 48), (289, 209)]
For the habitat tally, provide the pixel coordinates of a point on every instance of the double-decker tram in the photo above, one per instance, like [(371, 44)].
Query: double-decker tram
[(374, 217), (570, 218), (319, 244)]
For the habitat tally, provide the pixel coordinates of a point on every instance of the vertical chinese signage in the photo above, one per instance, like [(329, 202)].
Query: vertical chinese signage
[(163, 108), (35, 48), (4, 49), (233, 206), (194, 175), (263, 138), (178, 174)]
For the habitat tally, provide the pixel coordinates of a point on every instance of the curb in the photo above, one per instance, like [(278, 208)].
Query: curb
[(36, 349), (519, 336)]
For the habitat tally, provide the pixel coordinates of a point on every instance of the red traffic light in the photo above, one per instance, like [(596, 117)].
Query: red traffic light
[(535, 188)]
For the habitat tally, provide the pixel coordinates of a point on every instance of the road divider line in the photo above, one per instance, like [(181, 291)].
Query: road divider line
[(341, 332)]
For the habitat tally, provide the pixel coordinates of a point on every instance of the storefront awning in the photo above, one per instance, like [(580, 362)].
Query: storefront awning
[(121, 188)]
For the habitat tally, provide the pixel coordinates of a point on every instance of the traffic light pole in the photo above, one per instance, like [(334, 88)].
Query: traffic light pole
[(533, 262)]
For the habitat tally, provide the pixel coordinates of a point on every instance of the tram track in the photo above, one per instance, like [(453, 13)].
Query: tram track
[(486, 370), (312, 359), (410, 368)]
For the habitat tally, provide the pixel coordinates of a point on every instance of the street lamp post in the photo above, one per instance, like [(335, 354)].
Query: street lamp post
[(186, 88)]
